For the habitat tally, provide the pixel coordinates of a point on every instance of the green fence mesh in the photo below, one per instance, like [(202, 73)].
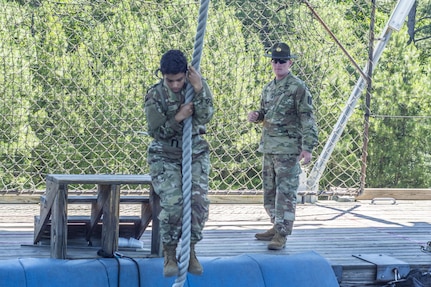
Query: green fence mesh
[(73, 75)]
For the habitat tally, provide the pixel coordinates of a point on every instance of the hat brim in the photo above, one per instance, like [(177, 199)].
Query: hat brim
[(283, 58)]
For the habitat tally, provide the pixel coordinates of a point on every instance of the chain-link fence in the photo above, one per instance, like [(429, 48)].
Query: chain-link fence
[(74, 73)]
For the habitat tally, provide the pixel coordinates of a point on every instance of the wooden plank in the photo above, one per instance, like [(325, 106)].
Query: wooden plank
[(45, 210), (230, 197), (78, 199), (87, 219), (97, 209), (397, 193), (116, 179), (156, 242), (59, 223), (146, 217), (111, 213)]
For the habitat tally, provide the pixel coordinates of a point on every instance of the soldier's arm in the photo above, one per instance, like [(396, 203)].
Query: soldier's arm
[(261, 112), (307, 120), (160, 126)]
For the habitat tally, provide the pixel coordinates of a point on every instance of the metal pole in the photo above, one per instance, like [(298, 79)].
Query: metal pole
[(368, 100), (319, 166), (395, 22)]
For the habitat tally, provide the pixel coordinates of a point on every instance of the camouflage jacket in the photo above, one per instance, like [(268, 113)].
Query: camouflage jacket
[(286, 112), (161, 106)]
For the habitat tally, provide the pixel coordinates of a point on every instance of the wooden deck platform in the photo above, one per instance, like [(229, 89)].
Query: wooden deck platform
[(339, 231)]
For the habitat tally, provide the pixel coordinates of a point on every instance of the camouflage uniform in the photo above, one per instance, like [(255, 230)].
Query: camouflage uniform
[(288, 128), (165, 158)]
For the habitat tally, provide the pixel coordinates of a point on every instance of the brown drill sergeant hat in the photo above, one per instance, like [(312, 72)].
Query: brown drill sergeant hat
[(280, 51)]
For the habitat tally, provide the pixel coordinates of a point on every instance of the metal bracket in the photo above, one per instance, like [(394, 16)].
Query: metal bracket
[(426, 248), (392, 200), (388, 268)]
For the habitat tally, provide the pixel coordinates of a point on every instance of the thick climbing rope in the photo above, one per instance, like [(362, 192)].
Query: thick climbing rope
[(184, 257)]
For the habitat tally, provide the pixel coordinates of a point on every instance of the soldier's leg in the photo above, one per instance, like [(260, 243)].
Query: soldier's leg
[(287, 182), (269, 185), (200, 206), (269, 195), (200, 201), (167, 183)]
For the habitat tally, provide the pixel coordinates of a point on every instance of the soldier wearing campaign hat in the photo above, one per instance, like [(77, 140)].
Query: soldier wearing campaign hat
[(289, 134)]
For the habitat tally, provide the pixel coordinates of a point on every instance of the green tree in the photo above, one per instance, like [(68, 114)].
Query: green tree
[(399, 133)]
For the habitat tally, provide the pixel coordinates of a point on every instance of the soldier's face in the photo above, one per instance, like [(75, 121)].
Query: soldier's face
[(175, 82), (281, 68)]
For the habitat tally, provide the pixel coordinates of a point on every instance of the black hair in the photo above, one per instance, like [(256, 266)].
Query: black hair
[(173, 62)]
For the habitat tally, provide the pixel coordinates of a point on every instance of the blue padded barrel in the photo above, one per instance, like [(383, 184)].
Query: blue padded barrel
[(56, 272), (152, 273), (235, 271), (12, 273), (249, 270), (304, 269)]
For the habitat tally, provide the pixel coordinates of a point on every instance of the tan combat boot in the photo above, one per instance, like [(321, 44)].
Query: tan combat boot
[(170, 267), (194, 266), (278, 242), (267, 235)]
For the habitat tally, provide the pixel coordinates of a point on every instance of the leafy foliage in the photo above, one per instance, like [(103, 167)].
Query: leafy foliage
[(73, 76)]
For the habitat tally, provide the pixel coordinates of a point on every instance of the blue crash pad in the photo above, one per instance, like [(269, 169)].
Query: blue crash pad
[(307, 269)]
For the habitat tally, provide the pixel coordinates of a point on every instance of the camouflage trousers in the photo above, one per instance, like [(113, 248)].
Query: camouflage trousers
[(280, 186), (166, 176)]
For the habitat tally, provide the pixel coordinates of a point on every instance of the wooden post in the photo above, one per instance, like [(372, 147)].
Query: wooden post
[(59, 223), (156, 242), (45, 210), (97, 209), (111, 213)]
